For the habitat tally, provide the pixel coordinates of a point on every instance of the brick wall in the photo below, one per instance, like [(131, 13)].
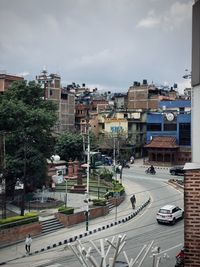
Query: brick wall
[(192, 218), (79, 217), (18, 233)]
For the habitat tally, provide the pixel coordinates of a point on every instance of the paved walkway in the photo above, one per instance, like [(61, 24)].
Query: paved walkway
[(118, 215)]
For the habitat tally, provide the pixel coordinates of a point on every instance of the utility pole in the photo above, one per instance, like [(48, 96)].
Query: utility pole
[(3, 180), (114, 157), (88, 179), (24, 178), (66, 193)]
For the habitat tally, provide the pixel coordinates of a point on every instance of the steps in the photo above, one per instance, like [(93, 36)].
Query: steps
[(51, 225), (110, 205)]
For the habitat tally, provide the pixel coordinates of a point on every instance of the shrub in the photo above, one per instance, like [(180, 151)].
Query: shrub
[(99, 202), (106, 175), (19, 220), (66, 210), (117, 187)]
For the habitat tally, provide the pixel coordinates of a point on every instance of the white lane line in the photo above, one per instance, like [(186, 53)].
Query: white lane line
[(169, 249), (39, 263)]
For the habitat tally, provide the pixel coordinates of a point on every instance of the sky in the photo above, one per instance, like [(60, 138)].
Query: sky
[(107, 44)]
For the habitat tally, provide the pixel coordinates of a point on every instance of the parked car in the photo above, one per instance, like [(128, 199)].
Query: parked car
[(169, 214), (177, 170)]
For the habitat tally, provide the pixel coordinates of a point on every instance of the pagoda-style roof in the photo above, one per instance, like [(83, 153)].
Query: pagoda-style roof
[(162, 142)]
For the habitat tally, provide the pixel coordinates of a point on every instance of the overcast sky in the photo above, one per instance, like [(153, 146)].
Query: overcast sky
[(103, 43)]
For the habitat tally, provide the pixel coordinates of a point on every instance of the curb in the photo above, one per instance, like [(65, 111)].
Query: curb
[(175, 183), (156, 167), (72, 239)]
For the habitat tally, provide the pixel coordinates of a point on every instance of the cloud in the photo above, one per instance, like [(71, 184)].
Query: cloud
[(23, 74), (172, 18), (149, 22), (95, 41)]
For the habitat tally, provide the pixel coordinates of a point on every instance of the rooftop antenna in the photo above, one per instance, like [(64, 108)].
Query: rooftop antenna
[(44, 70)]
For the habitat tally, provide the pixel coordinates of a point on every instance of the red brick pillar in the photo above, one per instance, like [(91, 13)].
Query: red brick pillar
[(76, 167), (70, 169), (192, 216)]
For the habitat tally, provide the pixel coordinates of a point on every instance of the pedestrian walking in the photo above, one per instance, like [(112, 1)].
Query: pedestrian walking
[(28, 243), (133, 201)]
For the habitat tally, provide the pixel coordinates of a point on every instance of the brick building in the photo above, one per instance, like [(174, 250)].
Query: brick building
[(6, 80), (63, 98), (147, 96)]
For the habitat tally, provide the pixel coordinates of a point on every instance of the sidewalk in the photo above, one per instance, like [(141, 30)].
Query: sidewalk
[(118, 215)]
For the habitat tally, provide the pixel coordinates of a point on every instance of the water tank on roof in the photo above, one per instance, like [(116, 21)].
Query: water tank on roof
[(135, 83), (145, 82)]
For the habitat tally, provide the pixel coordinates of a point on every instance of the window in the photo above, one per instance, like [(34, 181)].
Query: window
[(184, 134), (170, 127), (153, 127)]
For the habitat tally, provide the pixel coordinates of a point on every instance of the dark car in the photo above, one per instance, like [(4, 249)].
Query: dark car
[(177, 170)]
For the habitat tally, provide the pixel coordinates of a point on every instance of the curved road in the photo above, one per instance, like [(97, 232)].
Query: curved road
[(140, 231)]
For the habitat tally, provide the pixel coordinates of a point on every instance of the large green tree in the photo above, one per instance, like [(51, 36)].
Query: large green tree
[(70, 146), (27, 120)]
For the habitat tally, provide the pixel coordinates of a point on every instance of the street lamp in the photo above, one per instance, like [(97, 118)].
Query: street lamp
[(88, 180), (66, 193)]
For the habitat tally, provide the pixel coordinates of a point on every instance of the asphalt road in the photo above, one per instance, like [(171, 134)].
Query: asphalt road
[(140, 231)]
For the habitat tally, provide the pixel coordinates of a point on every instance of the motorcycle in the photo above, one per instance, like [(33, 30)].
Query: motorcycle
[(149, 171), (180, 259), (179, 262)]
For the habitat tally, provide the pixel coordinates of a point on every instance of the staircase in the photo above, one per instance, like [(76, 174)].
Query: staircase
[(51, 225), (110, 205)]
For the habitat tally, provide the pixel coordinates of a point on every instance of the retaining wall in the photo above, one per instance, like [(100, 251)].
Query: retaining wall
[(17, 233)]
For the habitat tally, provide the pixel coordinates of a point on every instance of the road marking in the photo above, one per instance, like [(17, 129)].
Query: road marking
[(169, 249), (39, 263)]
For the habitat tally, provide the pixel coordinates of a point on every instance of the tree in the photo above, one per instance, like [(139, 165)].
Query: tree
[(70, 146), (113, 144), (28, 120)]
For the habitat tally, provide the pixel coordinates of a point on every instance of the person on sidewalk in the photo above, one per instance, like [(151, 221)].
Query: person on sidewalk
[(133, 201), (28, 243)]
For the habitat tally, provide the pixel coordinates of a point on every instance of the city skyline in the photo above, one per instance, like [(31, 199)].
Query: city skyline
[(105, 44)]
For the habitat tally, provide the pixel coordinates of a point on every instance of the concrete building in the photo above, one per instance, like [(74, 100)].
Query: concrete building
[(147, 96), (6, 80), (192, 174), (64, 100), (172, 120)]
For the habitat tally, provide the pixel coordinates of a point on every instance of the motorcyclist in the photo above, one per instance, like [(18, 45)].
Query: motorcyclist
[(180, 258), (151, 169)]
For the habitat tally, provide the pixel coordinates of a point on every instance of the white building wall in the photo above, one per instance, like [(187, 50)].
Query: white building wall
[(196, 124)]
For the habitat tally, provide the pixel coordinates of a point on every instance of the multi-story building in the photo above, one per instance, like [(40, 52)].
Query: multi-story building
[(147, 96), (62, 97), (172, 124), (6, 80)]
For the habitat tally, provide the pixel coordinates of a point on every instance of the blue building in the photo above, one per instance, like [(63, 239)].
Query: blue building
[(172, 120)]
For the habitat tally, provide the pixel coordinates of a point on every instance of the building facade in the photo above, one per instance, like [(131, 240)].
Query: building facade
[(172, 120), (192, 170), (64, 100), (6, 80)]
